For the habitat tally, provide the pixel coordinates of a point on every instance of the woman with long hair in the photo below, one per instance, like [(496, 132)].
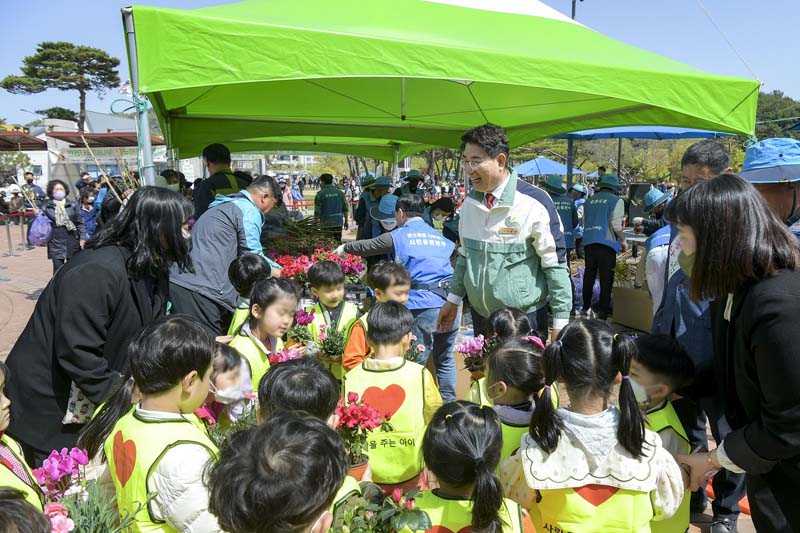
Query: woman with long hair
[(738, 253), (71, 355)]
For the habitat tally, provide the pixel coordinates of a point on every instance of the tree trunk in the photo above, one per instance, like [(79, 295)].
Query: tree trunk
[(430, 155), (82, 111)]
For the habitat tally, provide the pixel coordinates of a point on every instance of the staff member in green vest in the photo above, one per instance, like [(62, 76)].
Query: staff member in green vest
[(603, 239), (411, 185), (661, 367), (221, 181), (330, 206)]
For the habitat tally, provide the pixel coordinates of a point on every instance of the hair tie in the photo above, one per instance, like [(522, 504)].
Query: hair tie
[(625, 377), (478, 461), (546, 386), (536, 341), (558, 344), (448, 416)]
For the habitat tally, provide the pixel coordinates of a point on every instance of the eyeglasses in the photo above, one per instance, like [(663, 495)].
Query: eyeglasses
[(472, 165)]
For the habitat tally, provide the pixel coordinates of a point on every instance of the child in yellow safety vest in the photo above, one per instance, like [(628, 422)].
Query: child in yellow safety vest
[(391, 282), (592, 467), (401, 389), (326, 279), (273, 303), (157, 447), (504, 323), (14, 471), (462, 448), (514, 379), (243, 272), (281, 476), (660, 367), (305, 386)]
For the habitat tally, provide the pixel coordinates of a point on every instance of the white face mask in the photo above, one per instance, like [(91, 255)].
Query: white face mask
[(388, 226), (174, 187), (438, 218), (227, 395), (640, 393)]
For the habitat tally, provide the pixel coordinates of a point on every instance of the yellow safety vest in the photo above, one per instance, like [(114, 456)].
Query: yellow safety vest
[(27, 485), (394, 456), (349, 488), (665, 418), (592, 509), (240, 316), (347, 318), (253, 356), (456, 514), (512, 434), (133, 450), (232, 188)]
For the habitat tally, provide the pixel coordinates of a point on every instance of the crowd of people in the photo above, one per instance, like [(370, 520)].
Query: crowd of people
[(170, 314)]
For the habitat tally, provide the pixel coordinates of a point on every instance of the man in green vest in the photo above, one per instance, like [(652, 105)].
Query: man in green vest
[(413, 179), (330, 206), (222, 180)]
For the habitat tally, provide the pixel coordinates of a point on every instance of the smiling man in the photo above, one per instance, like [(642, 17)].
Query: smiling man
[(512, 250)]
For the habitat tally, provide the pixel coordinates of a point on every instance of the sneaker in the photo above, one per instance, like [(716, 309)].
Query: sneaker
[(722, 525)]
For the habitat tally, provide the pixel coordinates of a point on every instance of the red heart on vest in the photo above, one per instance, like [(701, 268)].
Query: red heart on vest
[(596, 494), (124, 458), (442, 529), (387, 401)]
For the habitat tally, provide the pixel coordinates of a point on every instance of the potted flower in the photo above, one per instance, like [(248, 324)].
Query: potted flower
[(396, 514), (415, 350), (472, 349), (356, 420), (287, 354), (331, 345), (300, 333)]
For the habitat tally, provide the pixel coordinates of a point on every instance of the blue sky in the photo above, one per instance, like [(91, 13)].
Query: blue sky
[(765, 33)]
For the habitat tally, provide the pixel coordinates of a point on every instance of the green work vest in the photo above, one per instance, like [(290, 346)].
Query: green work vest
[(133, 450), (233, 185), (592, 509), (27, 485), (512, 434), (658, 420), (347, 318), (240, 316), (349, 488), (394, 456), (452, 514), (253, 356)]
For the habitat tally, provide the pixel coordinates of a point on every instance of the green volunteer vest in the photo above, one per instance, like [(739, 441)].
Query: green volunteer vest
[(240, 316), (394, 456), (133, 450), (658, 421), (349, 488), (451, 514), (27, 485), (253, 356), (512, 434), (347, 318), (592, 509), (233, 186)]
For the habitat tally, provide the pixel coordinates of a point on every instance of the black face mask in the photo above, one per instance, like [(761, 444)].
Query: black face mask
[(30, 182)]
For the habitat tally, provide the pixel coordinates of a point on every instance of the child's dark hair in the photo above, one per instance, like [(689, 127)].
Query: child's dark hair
[(267, 291), (245, 270), (462, 446), (160, 356), (280, 476), (19, 516), (225, 360), (325, 274), (4, 371), (388, 323), (586, 358), (509, 322), (663, 355), (518, 364), (300, 385), (386, 274)]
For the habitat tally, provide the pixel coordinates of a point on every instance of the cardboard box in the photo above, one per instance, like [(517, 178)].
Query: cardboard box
[(633, 308)]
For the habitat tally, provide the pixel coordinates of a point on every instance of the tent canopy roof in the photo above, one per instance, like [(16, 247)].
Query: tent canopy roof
[(416, 70), (541, 166), (13, 141), (643, 132), (101, 140)]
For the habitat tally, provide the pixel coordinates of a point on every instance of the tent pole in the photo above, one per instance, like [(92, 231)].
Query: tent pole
[(570, 157), (619, 156), (147, 169), (396, 169)]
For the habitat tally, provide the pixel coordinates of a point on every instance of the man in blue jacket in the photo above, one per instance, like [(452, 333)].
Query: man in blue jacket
[(689, 322), (231, 227)]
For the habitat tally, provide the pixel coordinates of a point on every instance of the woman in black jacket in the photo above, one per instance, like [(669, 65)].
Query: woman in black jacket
[(69, 233), (742, 256), (71, 355)]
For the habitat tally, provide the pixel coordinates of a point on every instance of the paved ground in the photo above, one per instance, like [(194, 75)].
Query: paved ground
[(24, 275)]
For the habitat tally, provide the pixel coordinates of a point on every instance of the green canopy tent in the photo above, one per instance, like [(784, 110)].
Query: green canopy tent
[(408, 70)]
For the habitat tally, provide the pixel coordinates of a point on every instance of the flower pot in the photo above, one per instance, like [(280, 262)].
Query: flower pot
[(357, 470)]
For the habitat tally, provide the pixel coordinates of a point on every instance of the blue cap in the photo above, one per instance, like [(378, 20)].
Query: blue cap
[(384, 182), (609, 181), (653, 199), (413, 174), (368, 182), (553, 183), (772, 161), (578, 187), (385, 209)]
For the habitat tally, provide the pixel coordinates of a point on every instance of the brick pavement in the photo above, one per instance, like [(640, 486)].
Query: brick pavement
[(23, 276)]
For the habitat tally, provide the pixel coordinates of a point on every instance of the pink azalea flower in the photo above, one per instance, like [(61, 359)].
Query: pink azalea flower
[(61, 524), (352, 397), (420, 347), (396, 495)]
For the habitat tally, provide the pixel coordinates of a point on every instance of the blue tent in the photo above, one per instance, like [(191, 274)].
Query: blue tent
[(542, 166), (795, 127), (642, 132)]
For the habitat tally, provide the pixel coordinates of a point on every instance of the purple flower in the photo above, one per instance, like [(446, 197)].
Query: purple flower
[(79, 456)]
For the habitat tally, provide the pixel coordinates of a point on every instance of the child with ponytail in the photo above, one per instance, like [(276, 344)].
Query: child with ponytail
[(462, 447), (156, 446), (592, 467)]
